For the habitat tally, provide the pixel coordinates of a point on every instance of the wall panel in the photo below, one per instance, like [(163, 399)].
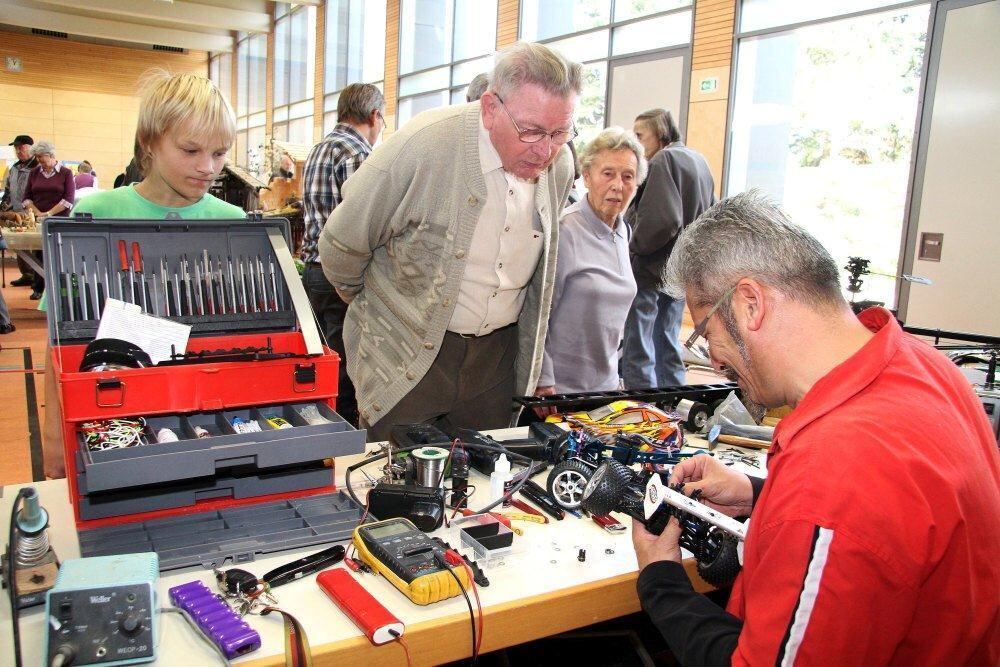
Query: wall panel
[(80, 96)]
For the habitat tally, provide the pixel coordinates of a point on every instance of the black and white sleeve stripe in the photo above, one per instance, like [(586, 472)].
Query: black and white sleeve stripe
[(822, 537)]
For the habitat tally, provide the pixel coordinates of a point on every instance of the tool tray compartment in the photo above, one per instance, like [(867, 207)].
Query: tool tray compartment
[(273, 366)]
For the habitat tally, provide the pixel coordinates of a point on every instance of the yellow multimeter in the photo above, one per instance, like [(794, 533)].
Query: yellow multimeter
[(405, 556)]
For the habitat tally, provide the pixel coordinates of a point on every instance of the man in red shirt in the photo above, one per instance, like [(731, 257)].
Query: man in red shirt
[(876, 537)]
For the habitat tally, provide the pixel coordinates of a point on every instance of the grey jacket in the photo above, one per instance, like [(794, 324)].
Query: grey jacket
[(677, 190), (396, 246), (15, 183)]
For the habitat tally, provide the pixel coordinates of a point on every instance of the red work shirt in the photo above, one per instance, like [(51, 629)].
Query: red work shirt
[(876, 538)]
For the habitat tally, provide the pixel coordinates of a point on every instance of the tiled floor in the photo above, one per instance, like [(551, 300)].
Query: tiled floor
[(22, 395)]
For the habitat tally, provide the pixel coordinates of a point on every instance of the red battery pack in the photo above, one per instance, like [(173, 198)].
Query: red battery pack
[(367, 613)]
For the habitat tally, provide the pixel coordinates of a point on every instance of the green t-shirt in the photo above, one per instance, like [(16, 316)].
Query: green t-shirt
[(126, 203)]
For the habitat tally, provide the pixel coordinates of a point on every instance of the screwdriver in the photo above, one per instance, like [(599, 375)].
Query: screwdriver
[(187, 286), (274, 285), (207, 272), (126, 270), (104, 290), (232, 284), (86, 307), (74, 306), (64, 288), (243, 287), (137, 268)]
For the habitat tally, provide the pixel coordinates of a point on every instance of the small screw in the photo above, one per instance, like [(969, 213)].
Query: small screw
[(609, 551), (582, 556)]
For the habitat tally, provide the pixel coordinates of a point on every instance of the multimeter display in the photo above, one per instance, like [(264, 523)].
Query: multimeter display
[(388, 530), (402, 548), (410, 560)]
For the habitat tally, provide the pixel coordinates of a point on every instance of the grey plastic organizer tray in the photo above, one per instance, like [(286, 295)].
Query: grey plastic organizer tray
[(193, 457), (225, 537)]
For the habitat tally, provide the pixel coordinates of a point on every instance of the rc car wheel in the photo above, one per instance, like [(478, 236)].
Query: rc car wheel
[(567, 481), (606, 487), (725, 566), (697, 416)]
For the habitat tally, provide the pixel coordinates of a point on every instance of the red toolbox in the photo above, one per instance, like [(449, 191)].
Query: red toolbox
[(241, 424)]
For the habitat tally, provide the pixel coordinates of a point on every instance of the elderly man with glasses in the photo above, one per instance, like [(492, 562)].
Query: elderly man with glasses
[(444, 246), (874, 539)]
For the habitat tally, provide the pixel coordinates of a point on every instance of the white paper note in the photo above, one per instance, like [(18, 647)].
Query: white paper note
[(154, 335)]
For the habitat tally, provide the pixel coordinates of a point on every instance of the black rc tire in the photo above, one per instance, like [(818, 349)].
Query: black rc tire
[(726, 565), (697, 417)]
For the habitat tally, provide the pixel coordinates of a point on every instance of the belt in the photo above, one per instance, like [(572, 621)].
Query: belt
[(467, 336)]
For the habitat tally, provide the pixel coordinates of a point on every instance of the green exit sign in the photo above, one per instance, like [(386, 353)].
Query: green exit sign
[(709, 85)]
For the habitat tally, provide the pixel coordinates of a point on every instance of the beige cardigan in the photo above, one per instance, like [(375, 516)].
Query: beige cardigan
[(396, 248)]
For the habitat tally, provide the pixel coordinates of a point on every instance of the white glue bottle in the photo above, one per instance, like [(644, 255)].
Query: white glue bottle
[(499, 477)]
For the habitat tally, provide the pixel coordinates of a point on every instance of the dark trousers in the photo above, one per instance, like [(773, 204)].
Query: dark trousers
[(38, 281), (330, 309), (470, 385)]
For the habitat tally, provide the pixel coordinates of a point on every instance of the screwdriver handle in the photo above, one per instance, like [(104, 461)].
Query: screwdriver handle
[(136, 257), (123, 255)]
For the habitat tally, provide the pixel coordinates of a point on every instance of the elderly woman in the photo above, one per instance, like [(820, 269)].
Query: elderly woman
[(50, 191), (594, 285)]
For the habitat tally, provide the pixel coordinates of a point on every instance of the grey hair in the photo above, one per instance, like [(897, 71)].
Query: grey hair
[(615, 139), (43, 148), (748, 236), (527, 62), (477, 87), (661, 123), (357, 102)]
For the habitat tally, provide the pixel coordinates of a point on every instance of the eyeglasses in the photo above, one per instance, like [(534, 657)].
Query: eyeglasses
[(696, 343), (559, 137)]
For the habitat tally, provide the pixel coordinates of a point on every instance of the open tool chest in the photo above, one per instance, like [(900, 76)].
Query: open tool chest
[(215, 489)]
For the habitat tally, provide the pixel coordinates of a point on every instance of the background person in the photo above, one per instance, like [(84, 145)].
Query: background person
[(477, 87), (444, 246), (331, 162), (678, 189), (14, 184), (184, 132), (594, 284), (867, 544), (50, 191)]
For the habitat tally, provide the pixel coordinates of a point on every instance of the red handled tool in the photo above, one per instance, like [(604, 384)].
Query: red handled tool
[(126, 271), (137, 267)]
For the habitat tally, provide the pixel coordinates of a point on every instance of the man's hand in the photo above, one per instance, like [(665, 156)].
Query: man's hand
[(721, 488), (651, 548), (545, 391)]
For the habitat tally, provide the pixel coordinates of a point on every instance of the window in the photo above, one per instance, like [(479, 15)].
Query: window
[(251, 60), (220, 71), (294, 72), (823, 119), (595, 32), (443, 45), (355, 50)]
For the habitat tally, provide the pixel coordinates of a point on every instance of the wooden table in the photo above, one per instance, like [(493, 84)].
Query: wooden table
[(23, 243), (540, 589)]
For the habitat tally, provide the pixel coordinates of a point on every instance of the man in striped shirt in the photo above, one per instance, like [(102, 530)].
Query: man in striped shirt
[(875, 538), (331, 162)]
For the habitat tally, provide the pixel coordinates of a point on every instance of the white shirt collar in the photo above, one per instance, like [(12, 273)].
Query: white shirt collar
[(489, 158)]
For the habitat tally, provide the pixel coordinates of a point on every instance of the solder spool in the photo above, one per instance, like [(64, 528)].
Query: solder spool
[(430, 465)]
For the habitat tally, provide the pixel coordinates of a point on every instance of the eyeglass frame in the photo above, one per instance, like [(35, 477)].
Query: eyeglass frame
[(699, 330), (573, 134)]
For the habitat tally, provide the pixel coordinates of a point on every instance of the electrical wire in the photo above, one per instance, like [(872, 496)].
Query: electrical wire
[(499, 448), (402, 642), (198, 631), (472, 614), (479, 604), (11, 577)]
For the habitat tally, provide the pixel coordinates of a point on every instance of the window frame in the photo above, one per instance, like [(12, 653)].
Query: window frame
[(328, 95), (450, 65), (289, 104)]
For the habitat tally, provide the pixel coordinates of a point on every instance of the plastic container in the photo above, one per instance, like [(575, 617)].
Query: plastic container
[(499, 477)]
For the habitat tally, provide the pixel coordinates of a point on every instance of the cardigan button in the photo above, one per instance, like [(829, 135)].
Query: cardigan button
[(410, 375), (428, 345), (460, 254), (473, 201), (376, 407)]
